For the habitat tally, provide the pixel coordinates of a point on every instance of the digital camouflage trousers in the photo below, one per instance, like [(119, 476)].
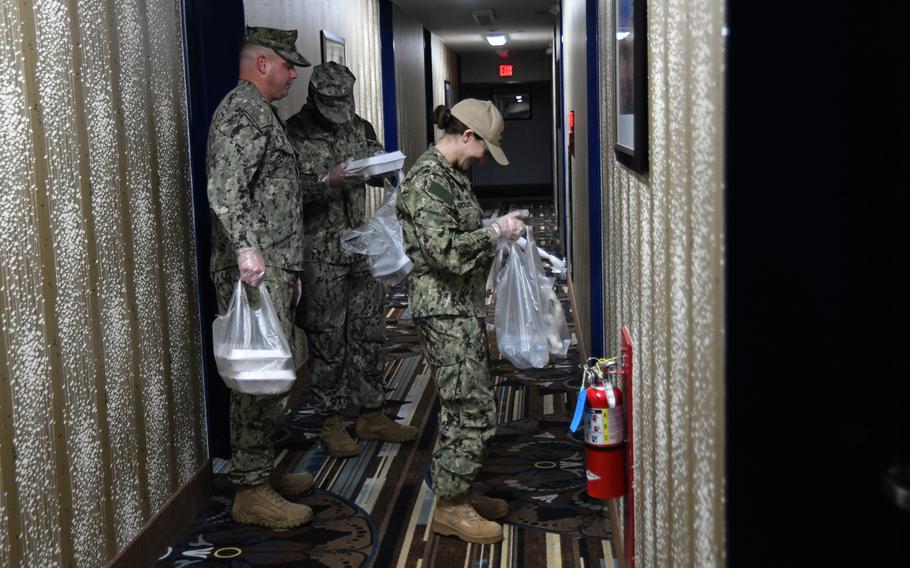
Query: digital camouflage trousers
[(341, 312), (253, 416), (456, 349)]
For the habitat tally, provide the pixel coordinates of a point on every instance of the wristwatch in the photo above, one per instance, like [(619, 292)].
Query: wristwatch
[(497, 230)]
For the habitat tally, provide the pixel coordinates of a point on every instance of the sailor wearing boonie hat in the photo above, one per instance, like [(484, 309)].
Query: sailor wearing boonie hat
[(341, 308)]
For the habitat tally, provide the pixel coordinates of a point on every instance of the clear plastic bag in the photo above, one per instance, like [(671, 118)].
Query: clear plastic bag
[(381, 239), (519, 315), (554, 318), (530, 320), (251, 351)]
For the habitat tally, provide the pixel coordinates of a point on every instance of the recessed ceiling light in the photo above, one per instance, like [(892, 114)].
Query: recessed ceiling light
[(496, 39)]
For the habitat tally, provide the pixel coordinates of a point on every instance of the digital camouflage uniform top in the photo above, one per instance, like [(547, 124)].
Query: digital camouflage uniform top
[(253, 185), (330, 212), (444, 237)]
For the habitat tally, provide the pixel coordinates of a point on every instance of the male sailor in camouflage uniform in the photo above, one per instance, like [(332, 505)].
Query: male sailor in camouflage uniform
[(452, 253), (254, 195), (341, 307)]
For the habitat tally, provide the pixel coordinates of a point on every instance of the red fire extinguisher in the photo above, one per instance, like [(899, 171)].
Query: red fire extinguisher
[(604, 420)]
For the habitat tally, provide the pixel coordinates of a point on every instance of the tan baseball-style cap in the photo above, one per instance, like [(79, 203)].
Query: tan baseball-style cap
[(484, 119), (282, 42)]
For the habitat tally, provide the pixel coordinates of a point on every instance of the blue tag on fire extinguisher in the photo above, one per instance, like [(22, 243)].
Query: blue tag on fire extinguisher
[(579, 409)]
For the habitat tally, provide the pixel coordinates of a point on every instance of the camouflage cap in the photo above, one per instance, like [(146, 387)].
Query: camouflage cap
[(332, 91), (282, 42)]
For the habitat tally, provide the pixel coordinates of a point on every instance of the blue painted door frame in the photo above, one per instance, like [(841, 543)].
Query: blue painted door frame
[(387, 53), (595, 153)]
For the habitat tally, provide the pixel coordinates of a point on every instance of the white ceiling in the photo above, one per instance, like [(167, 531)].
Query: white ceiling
[(528, 24)]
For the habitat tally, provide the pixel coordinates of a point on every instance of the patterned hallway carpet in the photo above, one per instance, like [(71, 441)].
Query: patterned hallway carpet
[(374, 509)]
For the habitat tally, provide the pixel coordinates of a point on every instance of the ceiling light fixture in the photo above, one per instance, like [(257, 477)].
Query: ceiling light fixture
[(496, 39)]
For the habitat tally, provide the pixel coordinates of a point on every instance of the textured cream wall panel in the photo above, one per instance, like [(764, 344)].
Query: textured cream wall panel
[(357, 21), (178, 243), (142, 223), (663, 252), (27, 393), (93, 153), (410, 86), (73, 305), (98, 73), (576, 98)]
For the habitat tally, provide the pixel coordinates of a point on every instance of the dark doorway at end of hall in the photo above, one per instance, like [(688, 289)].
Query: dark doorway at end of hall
[(526, 141)]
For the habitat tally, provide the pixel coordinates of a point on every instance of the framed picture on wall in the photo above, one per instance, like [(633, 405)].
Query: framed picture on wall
[(514, 103), (448, 94), (631, 100), (332, 47)]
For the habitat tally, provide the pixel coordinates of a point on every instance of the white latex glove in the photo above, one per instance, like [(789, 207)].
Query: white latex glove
[(251, 266), (510, 225)]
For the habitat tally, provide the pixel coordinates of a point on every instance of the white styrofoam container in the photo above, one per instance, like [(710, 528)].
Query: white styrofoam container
[(256, 371), (269, 381), (376, 165)]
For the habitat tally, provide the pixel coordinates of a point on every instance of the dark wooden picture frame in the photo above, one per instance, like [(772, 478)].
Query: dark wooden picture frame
[(630, 103), (513, 102), (332, 46)]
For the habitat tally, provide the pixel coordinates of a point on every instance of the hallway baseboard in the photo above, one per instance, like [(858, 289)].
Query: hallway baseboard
[(167, 523)]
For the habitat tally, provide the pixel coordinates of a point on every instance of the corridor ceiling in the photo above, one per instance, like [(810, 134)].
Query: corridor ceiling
[(527, 23)]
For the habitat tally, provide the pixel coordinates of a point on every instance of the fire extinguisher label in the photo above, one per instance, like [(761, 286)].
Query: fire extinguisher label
[(604, 427), (616, 432)]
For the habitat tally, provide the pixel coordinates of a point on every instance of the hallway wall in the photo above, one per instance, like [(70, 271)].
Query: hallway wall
[(445, 68), (663, 252), (410, 88), (101, 414), (576, 99)]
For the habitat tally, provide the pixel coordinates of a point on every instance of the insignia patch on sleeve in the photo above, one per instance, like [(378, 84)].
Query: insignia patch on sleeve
[(442, 193)]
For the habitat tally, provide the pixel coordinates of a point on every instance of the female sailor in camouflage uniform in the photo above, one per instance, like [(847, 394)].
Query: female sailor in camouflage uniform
[(452, 253)]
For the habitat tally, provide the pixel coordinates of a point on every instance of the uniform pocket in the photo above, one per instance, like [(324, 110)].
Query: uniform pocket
[(283, 163)]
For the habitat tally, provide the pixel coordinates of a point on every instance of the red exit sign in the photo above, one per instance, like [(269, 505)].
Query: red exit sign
[(505, 70)]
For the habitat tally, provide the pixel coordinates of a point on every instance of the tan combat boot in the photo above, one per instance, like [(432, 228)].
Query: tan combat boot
[(456, 517), (335, 438), (260, 505), (489, 508), (375, 425), (291, 484)]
